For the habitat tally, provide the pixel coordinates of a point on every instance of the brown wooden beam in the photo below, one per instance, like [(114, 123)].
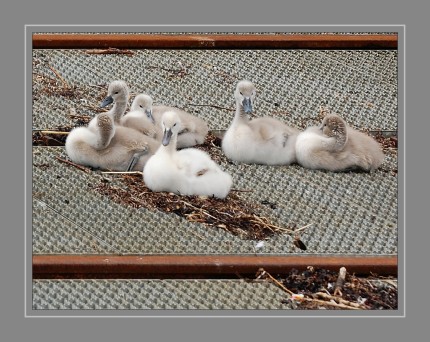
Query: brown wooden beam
[(219, 41), (198, 266)]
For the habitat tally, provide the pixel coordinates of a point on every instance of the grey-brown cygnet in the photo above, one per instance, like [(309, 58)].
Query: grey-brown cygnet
[(335, 146)]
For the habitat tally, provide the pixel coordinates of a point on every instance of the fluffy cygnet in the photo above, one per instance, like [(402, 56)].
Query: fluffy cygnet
[(262, 140), (186, 172), (146, 118), (107, 146), (118, 94), (335, 146)]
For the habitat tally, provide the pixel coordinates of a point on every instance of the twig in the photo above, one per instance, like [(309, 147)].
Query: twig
[(343, 306), (265, 273), (59, 76), (240, 190), (198, 235), (338, 300), (391, 282), (55, 132), (180, 72), (73, 164), (214, 106), (260, 220), (303, 228), (388, 281), (122, 172), (339, 282), (109, 51), (200, 209)]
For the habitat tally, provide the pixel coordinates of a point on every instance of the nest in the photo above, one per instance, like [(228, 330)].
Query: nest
[(233, 214)]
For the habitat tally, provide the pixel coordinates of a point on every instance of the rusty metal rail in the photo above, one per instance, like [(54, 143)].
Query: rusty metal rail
[(218, 41), (198, 266)]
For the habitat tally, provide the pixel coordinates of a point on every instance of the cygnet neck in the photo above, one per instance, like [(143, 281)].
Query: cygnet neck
[(118, 110), (240, 115)]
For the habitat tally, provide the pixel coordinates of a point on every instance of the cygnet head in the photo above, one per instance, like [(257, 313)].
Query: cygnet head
[(117, 92), (171, 125), (245, 94), (143, 103), (333, 126)]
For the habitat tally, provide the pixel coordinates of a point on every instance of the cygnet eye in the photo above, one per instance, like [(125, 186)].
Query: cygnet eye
[(116, 92), (174, 124), (240, 93), (140, 106)]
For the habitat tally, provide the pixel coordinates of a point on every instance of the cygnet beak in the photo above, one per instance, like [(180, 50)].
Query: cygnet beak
[(148, 113), (166, 137), (247, 105), (106, 101)]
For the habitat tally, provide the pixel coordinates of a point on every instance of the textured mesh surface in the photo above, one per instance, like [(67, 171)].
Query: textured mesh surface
[(156, 294), (352, 213), (292, 84), (54, 233)]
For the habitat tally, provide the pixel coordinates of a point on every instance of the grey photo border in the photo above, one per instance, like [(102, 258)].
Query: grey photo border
[(31, 29)]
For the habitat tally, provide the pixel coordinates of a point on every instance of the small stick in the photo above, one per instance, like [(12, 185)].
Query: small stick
[(240, 190), (260, 220), (214, 106), (302, 228), (122, 172), (73, 164), (109, 51), (331, 303), (198, 235), (55, 132), (337, 299), (59, 76), (340, 281), (200, 209), (368, 282), (391, 282), (277, 282), (75, 116)]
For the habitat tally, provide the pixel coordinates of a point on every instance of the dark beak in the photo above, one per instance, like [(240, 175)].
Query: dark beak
[(106, 101), (247, 105), (166, 137), (148, 113)]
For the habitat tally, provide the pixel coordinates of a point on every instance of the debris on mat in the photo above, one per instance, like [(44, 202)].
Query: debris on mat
[(232, 214), (321, 289)]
